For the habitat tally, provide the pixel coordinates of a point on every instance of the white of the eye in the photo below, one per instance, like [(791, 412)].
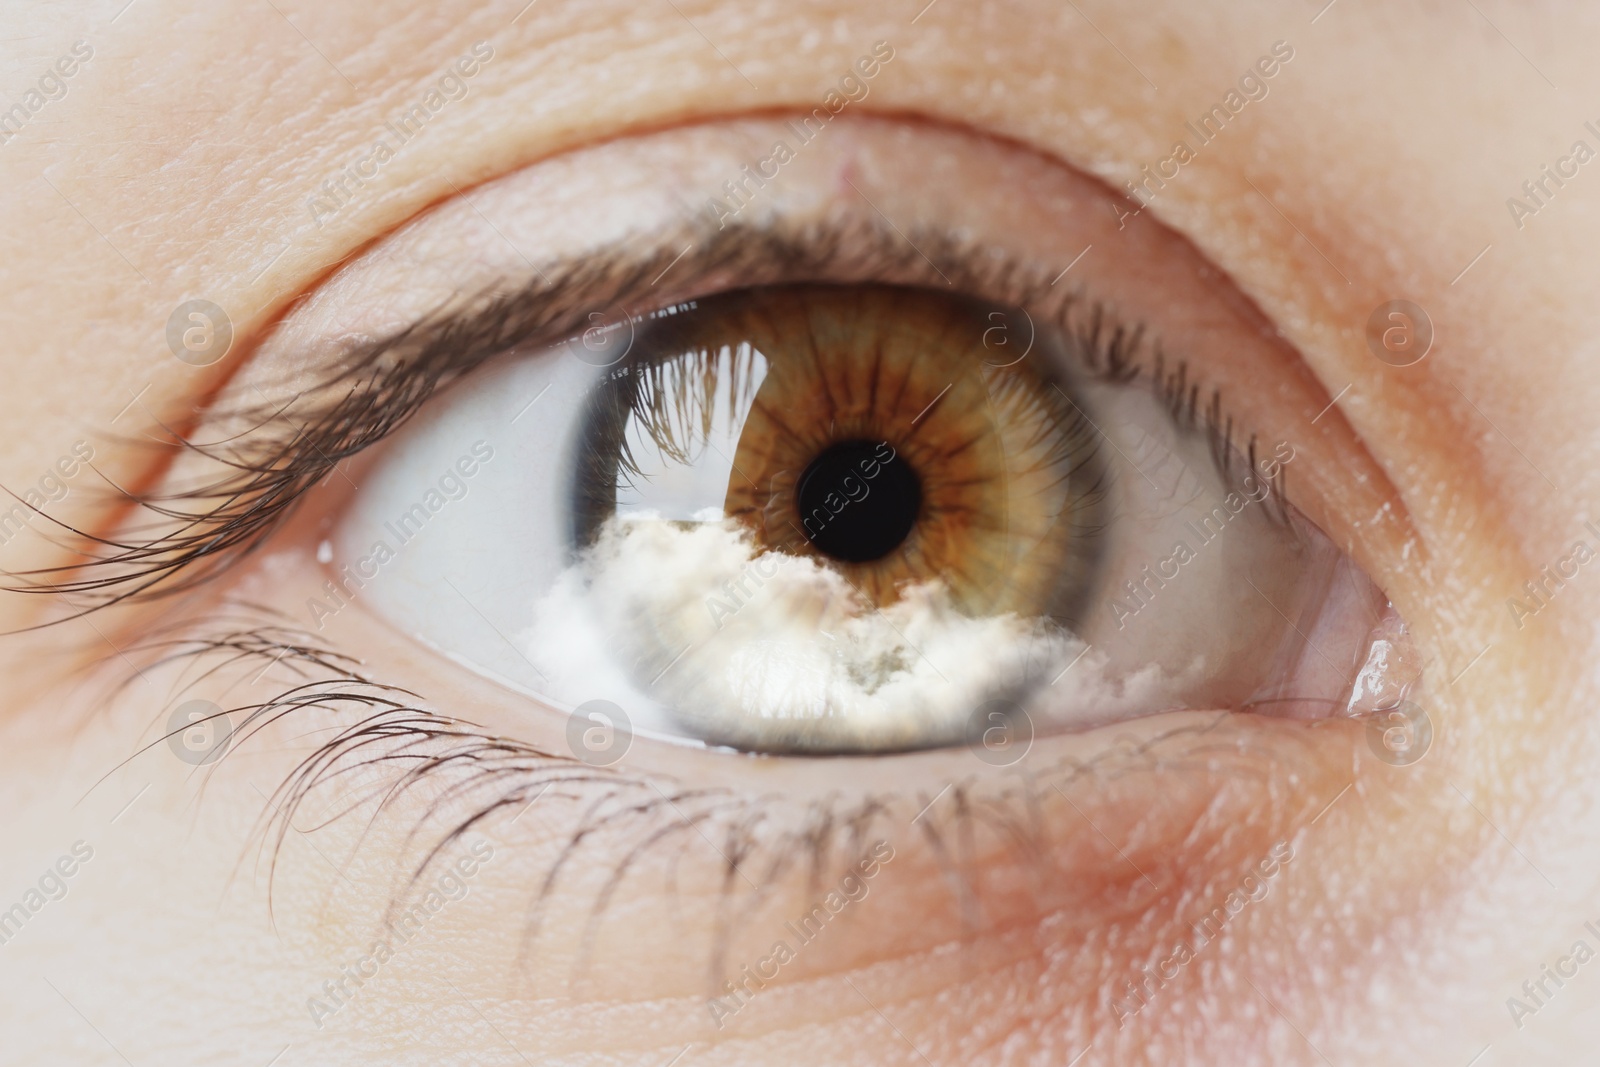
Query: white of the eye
[(463, 574)]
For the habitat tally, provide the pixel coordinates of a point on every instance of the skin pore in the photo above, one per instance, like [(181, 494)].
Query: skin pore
[(1405, 904)]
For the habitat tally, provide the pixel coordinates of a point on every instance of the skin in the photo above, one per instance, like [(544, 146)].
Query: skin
[(1417, 900)]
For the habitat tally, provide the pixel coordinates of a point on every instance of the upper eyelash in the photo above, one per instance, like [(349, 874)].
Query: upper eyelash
[(375, 388), (266, 471)]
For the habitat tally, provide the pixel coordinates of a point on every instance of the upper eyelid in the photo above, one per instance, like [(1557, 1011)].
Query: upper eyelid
[(373, 388)]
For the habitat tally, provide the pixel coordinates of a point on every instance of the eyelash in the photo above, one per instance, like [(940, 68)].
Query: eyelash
[(292, 446), (421, 745)]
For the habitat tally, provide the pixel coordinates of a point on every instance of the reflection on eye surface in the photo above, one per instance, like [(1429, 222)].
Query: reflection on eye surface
[(858, 427), (826, 518), (849, 454)]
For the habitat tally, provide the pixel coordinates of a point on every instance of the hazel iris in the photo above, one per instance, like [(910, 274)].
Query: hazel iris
[(863, 426)]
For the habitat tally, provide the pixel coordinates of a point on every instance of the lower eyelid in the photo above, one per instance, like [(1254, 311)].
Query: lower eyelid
[(1065, 841), (1194, 781)]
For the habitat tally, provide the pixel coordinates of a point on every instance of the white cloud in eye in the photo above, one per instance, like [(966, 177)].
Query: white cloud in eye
[(694, 630)]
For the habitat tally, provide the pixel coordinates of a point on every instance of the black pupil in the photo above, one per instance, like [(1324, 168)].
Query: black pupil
[(855, 504)]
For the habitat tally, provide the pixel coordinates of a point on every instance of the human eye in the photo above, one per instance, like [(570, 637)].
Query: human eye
[(1015, 520), (825, 499)]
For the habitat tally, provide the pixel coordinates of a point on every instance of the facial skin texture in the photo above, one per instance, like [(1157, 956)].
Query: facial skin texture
[(179, 163)]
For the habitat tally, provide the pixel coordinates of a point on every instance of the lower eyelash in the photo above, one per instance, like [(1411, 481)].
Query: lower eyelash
[(496, 775), (420, 745)]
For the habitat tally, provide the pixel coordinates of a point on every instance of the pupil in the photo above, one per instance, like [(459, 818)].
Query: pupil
[(854, 504)]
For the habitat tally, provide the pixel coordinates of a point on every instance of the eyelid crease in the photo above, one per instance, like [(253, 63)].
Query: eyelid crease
[(373, 388)]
